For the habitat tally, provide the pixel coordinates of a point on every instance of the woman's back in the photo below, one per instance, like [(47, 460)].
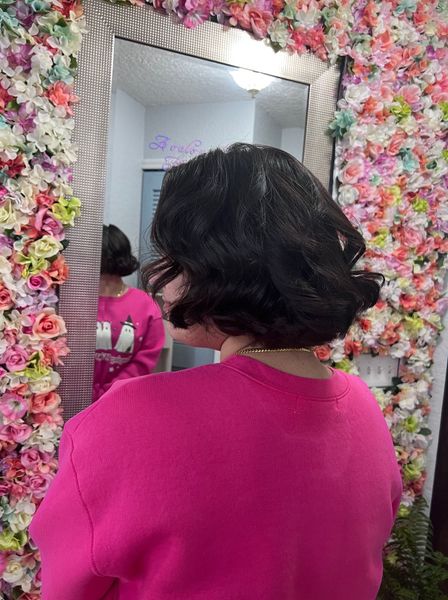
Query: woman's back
[(227, 482)]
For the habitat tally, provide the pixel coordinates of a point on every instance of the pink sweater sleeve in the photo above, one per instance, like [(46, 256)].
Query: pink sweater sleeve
[(63, 531)]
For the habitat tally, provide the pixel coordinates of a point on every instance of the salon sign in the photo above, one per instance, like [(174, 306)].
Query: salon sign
[(173, 152)]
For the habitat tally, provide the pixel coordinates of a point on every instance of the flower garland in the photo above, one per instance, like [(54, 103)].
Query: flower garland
[(392, 165), (38, 47)]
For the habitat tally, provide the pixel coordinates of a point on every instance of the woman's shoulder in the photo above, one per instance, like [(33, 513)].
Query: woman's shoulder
[(142, 397)]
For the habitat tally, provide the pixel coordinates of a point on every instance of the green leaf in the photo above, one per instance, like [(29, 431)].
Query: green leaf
[(425, 431)]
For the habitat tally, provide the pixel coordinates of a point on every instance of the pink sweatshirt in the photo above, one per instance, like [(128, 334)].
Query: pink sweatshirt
[(129, 338), (232, 481)]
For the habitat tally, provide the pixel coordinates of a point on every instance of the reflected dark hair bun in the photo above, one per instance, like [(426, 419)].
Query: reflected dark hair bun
[(264, 249), (117, 258)]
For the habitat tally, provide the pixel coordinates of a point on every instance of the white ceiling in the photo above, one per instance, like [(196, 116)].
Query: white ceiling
[(156, 77)]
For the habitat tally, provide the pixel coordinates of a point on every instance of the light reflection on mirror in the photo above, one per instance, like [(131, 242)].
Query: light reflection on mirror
[(165, 109)]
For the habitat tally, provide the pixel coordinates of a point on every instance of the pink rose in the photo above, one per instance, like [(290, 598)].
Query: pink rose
[(411, 237), (31, 459), (54, 418), (5, 298), (18, 491), (48, 325), (353, 171), (260, 20), (198, 12), (45, 222), (239, 17), (13, 406), (39, 282), (15, 358), (411, 93), (54, 350), (396, 142), (45, 403), (323, 352), (38, 484), (16, 432)]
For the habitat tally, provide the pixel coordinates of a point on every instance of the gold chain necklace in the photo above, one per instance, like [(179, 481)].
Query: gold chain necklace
[(122, 291), (260, 350)]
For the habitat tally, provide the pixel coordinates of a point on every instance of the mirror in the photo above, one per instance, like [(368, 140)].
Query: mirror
[(155, 94), (165, 110)]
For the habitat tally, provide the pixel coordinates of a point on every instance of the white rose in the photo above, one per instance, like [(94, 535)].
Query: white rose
[(45, 384), (348, 194), (5, 266), (355, 95), (14, 572), (408, 398), (19, 521), (42, 60), (44, 438)]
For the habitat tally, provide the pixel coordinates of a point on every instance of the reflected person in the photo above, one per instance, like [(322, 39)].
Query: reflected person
[(267, 476), (129, 332)]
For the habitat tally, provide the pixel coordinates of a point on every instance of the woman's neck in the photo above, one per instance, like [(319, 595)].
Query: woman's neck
[(295, 362), (111, 285)]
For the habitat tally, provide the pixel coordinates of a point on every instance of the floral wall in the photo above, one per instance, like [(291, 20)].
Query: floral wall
[(392, 167)]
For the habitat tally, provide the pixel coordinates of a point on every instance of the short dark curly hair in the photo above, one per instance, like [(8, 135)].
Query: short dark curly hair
[(116, 256), (264, 249)]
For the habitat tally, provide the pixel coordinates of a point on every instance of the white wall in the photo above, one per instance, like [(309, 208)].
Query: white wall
[(214, 124), (124, 175), (292, 141), (266, 130)]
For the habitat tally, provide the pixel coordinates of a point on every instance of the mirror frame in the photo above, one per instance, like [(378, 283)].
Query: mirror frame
[(210, 41)]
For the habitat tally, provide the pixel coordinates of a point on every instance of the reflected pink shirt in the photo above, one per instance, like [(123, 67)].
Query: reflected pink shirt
[(226, 482), (129, 338)]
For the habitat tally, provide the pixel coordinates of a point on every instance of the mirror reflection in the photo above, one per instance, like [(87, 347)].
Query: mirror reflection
[(167, 108)]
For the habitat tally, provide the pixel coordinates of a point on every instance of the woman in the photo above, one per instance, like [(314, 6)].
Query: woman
[(265, 477), (129, 331)]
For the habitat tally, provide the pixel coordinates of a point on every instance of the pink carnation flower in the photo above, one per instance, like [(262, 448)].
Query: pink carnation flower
[(13, 406)]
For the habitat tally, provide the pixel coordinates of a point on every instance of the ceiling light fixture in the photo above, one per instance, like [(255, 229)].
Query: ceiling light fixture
[(251, 81)]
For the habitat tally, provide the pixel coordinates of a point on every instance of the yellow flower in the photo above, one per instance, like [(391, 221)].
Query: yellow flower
[(7, 216), (345, 365), (413, 324), (381, 238), (411, 424), (411, 473), (400, 108), (12, 542), (420, 205), (444, 108), (32, 264), (395, 192), (66, 210), (35, 369), (46, 247)]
